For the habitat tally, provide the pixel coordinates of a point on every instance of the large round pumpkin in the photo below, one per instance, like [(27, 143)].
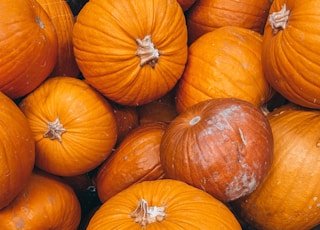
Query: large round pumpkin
[(45, 203), (224, 63), (17, 154), (163, 204), (28, 44), (223, 146), (133, 52), (291, 54), (289, 196), (136, 159), (73, 125)]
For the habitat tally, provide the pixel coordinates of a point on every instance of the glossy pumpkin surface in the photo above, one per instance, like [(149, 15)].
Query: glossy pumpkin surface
[(224, 63), (175, 205), (45, 203), (73, 125), (17, 155), (289, 197), (213, 146), (28, 44), (136, 159), (132, 52), (291, 57)]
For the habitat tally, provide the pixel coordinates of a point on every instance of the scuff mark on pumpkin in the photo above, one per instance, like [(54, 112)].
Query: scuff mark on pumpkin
[(242, 137)]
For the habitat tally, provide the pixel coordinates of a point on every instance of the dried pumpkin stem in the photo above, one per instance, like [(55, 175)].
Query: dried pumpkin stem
[(55, 130), (147, 52), (145, 215), (278, 20)]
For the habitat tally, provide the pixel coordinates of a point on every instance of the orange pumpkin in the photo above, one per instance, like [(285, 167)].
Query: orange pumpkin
[(63, 20), (163, 204), (213, 146), (208, 15), (45, 203), (17, 155), (224, 63), (291, 54), (136, 159), (289, 196), (133, 52), (73, 125), (28, 44)]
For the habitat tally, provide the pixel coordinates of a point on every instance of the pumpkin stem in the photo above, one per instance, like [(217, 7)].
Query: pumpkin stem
[(147, 52), (145, 215), (55, 130), (278, 20)]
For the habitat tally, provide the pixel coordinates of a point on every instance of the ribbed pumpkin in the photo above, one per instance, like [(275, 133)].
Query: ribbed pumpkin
[(63, 20), (136, 159), (289, 197), (73, 125), (291, 54), (133, 52), (223, 146), (17, 154), (224, 63), (45, 203), (163, 204), (28, 44), (208, 15)]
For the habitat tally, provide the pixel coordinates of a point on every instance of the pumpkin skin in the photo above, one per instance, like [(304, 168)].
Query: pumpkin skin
[(118, 54), (208, 15), (45, 203), (28, 44), (136, 159), (291, 58), (288, 198), (186, 207), (85, 115), (230, 66), (186, 4), (213, 146), (17, 155), (63, 20)]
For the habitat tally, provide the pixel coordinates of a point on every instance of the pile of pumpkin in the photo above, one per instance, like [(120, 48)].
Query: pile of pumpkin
[(163, 114)]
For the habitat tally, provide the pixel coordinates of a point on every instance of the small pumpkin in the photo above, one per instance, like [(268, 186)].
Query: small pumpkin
[(221, 64), (28, 44), (73, 125), (213, 146), (289, 196), (45, 203), (290, 53), (133, 52), (17, 155), (163, 204), (136, 159)]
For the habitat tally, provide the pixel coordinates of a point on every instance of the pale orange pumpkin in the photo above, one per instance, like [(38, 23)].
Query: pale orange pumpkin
[(133, 52), (163, 204), (73, 125), (44, 203), (17, 155), (28, 44)]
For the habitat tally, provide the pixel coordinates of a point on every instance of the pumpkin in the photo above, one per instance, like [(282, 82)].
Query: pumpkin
[(221, 64), (45, 203), (290, 53), (28, 44), (133, 52), (163, 204), (73, 125), (17, 155), (213, 146), (208, 15), (63, 20), (136, 159), (288, 197), (186, 4)]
